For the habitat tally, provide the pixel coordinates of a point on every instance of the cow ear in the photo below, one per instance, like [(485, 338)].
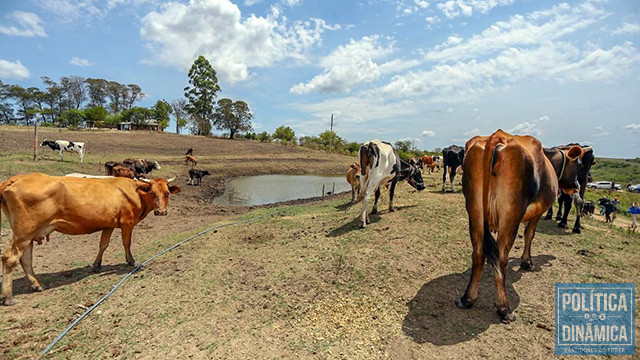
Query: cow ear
[(574, 152), (174, 189), (144, 188)]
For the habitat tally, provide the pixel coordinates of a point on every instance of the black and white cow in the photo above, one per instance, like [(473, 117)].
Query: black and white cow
[(63, 145), (586, 161), (437, 160), (380, 165), (196, 176), (452, 157)]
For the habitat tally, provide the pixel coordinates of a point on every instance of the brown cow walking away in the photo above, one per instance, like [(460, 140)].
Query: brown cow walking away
[(353, 178), (508, 180), (37, 205)]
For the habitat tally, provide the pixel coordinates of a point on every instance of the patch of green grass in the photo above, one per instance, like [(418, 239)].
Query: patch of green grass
[(622, 171)]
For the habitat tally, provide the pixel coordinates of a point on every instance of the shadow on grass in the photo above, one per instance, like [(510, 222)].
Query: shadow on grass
[(550, 227), (344, 207), (66, 277), (433, 317), (355, 223)]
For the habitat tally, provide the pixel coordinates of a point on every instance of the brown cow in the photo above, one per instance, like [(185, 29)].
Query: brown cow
[(191, 159), (428, 162), (508, 180), (353, 178), (37, 205), (119, 171)]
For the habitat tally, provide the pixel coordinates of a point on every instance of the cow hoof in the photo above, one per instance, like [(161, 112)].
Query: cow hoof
[(374, 211), (36, 288), (96, 268), (562, 225), (463, 303), (547, 218), (132, 263), (526, 265), (392, 210), (558, 218), (10, 302), (576, 230)]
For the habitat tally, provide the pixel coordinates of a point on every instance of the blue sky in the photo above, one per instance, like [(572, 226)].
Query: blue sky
[(436, 71)]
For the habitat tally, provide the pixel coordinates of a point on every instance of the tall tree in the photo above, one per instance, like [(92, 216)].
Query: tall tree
[(131, 95), (115, 92), (180, 113), (97, 91), (284, 134), (232, 116), (55, 98), (6, 107), (77, 92), (24, 99), (161, 112), (201, 93)]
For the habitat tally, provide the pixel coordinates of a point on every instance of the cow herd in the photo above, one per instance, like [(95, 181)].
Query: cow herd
[(507, 180)]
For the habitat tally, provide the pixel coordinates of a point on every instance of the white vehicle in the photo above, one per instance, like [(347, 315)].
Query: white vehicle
[(604, 185), (634, 188)]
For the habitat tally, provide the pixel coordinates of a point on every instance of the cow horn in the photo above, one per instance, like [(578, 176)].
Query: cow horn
[(170, 180), (587, 148), (145, 180)]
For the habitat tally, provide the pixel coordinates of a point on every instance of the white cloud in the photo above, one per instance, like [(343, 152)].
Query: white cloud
[(634, 128), (351, 65), (446, 110), (543, 118), (428, 133), (28, 25), (536, 28), (600, 131), (292, 2), (13, 70), (80, 62), (527, 128), (454, 8), (627, 28), (71, 11), (178, 33), (471, 133)]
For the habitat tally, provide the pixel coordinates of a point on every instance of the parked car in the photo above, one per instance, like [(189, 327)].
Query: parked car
[(604, 185), (634, 188)]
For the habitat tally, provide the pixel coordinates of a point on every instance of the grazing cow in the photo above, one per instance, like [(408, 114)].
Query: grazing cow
[(120, 171), (63, 145), (142, 166), (196, 176), (508, 180), (437, 161), (353, 178), (452, 158), (427, 161), (380, 164), (109, 167), (191, 159), (37, 205), (587, 160)]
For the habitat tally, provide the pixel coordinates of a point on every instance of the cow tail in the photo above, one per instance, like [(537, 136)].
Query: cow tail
[(490, 250), (3, 186)]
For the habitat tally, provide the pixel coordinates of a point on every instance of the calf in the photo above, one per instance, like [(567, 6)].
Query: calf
[(452, 158), (380, 164), (196, 176), (437, 161), (63, 145), (427, 161), (353, 178), (588, 208), (508, 180), (191, 159)]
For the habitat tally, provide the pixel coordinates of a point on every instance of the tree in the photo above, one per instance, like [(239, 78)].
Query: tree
[(263, 137), (115, 92), (24, 100), (137, 115), (327, 137), (180, 113), (72, 118), (284, 134), (132, 93), (55, 98), (232, 116), (6, 108), (201, 93), (77, 92), (161, 112), (97, 90), (404, 145), (96, 115)]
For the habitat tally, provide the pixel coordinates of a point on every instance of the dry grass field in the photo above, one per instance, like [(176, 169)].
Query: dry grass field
[(303, 283)]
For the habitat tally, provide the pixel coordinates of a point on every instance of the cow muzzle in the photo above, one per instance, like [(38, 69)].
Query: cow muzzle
[(158, 212)]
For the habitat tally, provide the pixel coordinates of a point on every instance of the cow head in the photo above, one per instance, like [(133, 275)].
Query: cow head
[(156, 165), (413, 176), (568, 180), (369, 157), (356, 167), (158, 190), (205, 172)]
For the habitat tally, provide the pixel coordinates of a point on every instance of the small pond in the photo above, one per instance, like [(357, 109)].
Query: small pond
[(267, 189)]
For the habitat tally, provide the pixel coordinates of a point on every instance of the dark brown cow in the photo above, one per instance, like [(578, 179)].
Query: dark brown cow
[(142, 166), (508, 180), (37, 205), (119, 171)]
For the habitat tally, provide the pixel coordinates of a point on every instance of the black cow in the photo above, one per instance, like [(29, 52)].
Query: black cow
[(110, 165), (196, 176), (452, 158), (587, 160), (588, 208), (189, 152)]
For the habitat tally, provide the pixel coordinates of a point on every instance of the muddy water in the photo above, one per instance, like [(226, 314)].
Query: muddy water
[(267, 189)]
